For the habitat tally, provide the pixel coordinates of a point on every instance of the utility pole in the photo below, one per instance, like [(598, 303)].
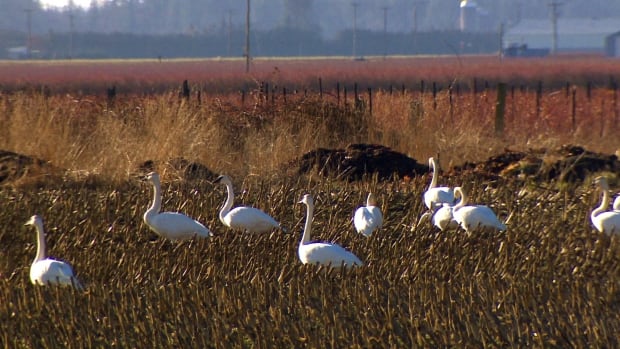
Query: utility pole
[(229, 33), (416, 4), (355, 5), (247, 38), (71, 29), (29, 28), (555, 12), (385, 9)]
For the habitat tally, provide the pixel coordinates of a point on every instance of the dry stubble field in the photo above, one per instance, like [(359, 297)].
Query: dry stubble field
[(551, 280)]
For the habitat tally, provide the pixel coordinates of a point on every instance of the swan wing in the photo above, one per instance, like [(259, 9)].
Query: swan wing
[(250, 219), (438, 196), (367, 219), (51, 271), (327, 254), (443, 218), (607, 222), (472, 218), (174, 225)]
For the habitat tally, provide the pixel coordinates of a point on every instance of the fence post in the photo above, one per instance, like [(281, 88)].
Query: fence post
[(370, 100), (434, 95), (574, 107), (320, 89), (185, 90), (338, 93), (500, 109), (538, 97)]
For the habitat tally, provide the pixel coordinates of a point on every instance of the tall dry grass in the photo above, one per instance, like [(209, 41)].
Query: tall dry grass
[(550, 280), (92, 135)]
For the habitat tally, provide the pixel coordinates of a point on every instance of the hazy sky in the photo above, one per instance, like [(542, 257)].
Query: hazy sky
[(62, 3)]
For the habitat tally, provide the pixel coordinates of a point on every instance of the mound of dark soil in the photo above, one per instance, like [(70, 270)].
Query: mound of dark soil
[(15, 167), (183, 168), (568, 163), (356, 161)]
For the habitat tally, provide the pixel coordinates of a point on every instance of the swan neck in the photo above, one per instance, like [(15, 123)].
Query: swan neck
[(305, 238), (462, 201), (434, 178), (604, 204), (40, 242), (229, 201), (156, 205)]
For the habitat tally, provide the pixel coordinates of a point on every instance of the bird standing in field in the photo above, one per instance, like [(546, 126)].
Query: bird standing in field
[(171, 225), (327, 254), (244, 218), (474, 217), (45, 271), (443, 218), (368, 218), (607, 222), (435, 196)]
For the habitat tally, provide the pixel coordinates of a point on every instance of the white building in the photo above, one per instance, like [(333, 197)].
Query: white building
[(586, 35)]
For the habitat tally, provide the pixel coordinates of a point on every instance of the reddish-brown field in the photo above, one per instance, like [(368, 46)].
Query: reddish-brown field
[(225, 75), (549, 280)]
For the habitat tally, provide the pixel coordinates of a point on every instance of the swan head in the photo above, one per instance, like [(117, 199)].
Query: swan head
[(601, 182), (431, 161), (153, 177), (223, 179), (371, 200), (307, 199), (34, 220)]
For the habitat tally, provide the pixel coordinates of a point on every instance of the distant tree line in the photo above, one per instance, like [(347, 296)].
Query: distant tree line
[(277, 42)]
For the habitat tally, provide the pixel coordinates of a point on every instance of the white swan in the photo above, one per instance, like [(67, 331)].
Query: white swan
[(171, 225), (616, 205), (323, 253), (368, 218), (244, 218), (607, 222), (435, 196), (476, 217), (45, 271), (444, 218)]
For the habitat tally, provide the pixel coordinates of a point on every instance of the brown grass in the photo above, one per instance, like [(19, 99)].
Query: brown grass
[(549, 281), (526, 287)]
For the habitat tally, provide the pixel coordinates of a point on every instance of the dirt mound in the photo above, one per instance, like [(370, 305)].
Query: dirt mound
[(15, 167), (568, 163), (356, 161), (182, 168)]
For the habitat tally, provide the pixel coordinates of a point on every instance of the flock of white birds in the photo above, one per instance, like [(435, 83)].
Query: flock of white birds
[(444, 210)]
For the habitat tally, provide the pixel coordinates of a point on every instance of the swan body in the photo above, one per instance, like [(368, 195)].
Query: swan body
[(244, 218), (607, 222), (368, 218), (171, 225), (45, 271), (475, 217), (616, 205), (435, 196), (327, 254), (444, 218)]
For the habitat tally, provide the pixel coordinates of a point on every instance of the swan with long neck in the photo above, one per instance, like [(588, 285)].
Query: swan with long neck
[(327, 254), (45, 271), (435, 196), (607, 222), (474, 217), (244, 218), (368, 218), (171, 225)]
